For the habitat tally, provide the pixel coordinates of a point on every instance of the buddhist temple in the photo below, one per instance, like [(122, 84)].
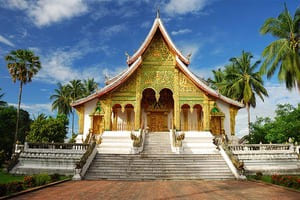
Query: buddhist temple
[(157, 92)]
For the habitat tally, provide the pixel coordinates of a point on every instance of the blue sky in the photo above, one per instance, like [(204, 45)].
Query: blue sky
[(83, 39)]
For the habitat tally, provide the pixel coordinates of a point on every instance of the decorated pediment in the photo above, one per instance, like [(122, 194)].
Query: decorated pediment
[(215, 111), (98, 110), (158, 51)]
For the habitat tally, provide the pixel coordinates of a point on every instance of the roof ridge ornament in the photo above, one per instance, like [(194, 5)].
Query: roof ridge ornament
[(189, 56), (157, 13), (127, 55)]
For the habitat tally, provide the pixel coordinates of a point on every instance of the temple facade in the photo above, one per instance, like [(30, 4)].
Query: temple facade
[(157, 92)]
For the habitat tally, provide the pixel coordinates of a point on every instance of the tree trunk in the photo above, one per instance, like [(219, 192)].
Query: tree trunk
[(18, 116), (72, 121), (248, 111)]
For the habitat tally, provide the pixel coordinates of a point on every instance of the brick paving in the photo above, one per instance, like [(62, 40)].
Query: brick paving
[(121, 190)]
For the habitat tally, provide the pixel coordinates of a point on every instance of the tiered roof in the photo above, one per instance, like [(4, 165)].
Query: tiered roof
[(135, 61)]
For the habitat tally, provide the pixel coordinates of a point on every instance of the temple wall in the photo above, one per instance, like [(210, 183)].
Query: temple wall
[(89, 108), (224, 107)]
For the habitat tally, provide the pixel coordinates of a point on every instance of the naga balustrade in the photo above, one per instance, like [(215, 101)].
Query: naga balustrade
[(259, 148), (65, 146)]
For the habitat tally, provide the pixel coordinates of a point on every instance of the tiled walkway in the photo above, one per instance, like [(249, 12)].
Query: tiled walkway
[(121, 190)]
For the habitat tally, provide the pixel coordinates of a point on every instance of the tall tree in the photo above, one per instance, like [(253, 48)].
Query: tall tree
[(76, 90), (284, 53), (2, 103), (61, 100), (22, 65), (89, 86), (240, 81), (245, 82)]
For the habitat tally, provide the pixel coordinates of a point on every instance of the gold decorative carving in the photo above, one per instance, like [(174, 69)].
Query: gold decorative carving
[(233, 112), (158, 50), (158, 79), (187, 88)]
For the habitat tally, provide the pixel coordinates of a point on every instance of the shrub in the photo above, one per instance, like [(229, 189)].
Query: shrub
[(15, 186), (258, 175), (28, 181), (288, 181), (55, 177), (41, 179), (3, 189)]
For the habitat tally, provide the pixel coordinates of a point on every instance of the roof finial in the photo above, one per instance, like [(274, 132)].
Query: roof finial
[(189, 56), (127, 55), (157, 12)]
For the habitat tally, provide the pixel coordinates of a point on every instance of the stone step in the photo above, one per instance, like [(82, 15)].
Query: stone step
[(161, 177)]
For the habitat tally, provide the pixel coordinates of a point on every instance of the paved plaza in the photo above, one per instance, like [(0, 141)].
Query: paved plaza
[(229, 189)]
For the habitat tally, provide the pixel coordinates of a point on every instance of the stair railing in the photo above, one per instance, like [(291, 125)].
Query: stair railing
[(235, 165), (85, 161)]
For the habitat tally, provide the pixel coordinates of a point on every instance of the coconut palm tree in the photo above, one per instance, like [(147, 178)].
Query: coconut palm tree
[(76, 90), (22, 65), (245, 82), (89, 86), (284, 53), (2, 103), (61, 100)]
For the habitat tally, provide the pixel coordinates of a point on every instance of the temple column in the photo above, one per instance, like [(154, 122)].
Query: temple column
[(233, 112), (206, 117), (137, 113), (137, 107), (107, 115), (176, 100)]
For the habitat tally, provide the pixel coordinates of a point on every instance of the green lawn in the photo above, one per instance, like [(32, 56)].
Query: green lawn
[(6, 177)]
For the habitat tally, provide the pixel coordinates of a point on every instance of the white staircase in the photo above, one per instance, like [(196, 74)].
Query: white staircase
[(198, 142), (158, 162), (157, 143), (115, 142)]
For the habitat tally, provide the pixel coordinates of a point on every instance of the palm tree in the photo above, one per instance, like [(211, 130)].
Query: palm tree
[(61, 100), (2, 103), (218, 78), (245, 83), (22, 65), (90, 86), (284, 53), (76, 90)]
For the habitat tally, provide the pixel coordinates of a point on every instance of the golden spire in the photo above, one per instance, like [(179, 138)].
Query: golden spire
[(157, 12)]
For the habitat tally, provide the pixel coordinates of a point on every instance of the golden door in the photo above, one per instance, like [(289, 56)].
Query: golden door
[(215, 125), (158, 121), (97, 124)]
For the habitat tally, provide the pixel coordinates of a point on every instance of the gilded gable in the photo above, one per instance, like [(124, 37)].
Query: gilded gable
[(187, 87), (158, 51)]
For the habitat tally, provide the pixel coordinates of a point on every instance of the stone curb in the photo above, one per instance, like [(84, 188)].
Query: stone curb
[(271, 184), (33, 189)]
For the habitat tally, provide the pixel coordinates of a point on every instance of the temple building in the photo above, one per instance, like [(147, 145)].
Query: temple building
[(158, 92)]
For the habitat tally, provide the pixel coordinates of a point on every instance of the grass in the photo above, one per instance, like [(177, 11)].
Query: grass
[(7, 178)]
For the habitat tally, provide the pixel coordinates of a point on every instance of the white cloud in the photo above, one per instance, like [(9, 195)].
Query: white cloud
[(15, 4), (111, 30), (184, 6), (278, 94), (57, 66), (189, 47), (35, 109), (146, 24), (6, 41), (181, 31), (46, 12)]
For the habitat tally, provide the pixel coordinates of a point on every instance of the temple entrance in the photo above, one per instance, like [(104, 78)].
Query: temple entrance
[(216, 125), (157, 116), (97, 124)]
